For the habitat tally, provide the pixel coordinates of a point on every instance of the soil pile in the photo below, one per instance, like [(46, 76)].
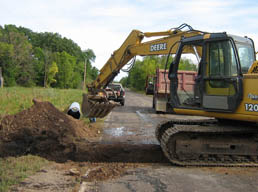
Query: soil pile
[(41, 129), (45, 131)]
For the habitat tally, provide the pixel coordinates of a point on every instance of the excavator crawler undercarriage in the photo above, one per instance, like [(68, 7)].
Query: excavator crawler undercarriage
[(204, 143)]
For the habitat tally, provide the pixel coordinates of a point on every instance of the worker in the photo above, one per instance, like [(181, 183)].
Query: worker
[(74, 110)]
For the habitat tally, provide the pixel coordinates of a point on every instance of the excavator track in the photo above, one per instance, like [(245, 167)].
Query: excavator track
[(206, 143)]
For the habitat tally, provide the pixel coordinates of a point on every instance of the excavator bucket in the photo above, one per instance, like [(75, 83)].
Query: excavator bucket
[(96, 106)]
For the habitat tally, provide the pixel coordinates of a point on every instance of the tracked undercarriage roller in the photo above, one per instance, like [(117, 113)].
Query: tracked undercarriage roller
[(205, 143)]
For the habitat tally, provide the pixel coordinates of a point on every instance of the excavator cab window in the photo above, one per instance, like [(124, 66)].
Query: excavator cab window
[(246, 55), (222, 63), (222, 90)]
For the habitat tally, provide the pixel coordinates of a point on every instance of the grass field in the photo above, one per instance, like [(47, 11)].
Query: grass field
[(15, 99)]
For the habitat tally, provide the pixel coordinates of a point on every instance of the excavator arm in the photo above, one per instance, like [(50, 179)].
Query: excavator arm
[(117, 60), (95, 103)]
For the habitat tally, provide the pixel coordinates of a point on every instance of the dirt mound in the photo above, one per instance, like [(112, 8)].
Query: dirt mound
[(45, 131), (41, 129)]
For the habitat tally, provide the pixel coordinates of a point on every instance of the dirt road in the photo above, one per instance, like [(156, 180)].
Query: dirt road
[(132, 128)]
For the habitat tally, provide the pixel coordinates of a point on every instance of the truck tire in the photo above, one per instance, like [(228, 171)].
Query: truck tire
[(155, 105)]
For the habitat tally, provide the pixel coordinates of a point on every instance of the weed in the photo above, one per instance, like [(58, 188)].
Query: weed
[(14, 169)]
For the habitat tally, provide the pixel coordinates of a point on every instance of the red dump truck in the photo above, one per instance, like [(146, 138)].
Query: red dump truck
[(186, 82)]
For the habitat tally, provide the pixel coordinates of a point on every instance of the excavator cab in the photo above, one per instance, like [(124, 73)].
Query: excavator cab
[(220, 61)]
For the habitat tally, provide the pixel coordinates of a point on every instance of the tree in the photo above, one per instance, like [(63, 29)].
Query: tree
[(22, 57), (66, 64), (47, 57), (94, 73), (187, 65), (9, 69), (124, 81), (138, 74), (39, 66), (89, 57), (27, 57), (51, 74)]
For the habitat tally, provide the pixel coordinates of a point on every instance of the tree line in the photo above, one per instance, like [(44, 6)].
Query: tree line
[(147, 67), (46, 59)]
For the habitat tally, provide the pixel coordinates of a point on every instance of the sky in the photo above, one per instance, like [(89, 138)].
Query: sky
[(103, 25)]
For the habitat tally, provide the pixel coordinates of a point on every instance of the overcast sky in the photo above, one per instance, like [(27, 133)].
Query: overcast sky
[(103, 25)]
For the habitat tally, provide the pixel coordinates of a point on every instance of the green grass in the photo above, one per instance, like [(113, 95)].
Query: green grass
[(16, 99), (15, 169)]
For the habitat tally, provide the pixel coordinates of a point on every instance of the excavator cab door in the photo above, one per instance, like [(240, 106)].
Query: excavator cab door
[(222, 81), (217, 85)]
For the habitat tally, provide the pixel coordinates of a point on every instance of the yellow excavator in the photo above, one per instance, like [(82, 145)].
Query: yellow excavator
[(225, 88)]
